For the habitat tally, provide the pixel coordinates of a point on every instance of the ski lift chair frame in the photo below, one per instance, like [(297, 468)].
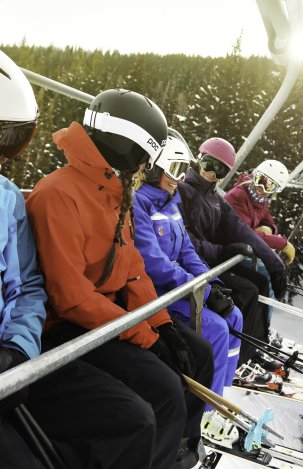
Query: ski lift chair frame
[(280, 23)]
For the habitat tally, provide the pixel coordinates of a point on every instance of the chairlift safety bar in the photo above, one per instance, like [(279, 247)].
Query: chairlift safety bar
[(22, 375)]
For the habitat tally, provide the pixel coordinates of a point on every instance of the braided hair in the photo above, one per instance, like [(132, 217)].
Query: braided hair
[(126, 205)]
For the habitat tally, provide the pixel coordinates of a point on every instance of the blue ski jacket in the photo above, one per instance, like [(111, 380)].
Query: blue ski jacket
[(22, 296), (169, 256), (213, 223)]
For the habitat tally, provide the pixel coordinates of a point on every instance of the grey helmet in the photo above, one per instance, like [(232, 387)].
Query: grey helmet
[(18, 109)]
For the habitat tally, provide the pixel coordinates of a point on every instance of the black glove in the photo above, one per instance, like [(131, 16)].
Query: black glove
[(233, 249), (159, 348), (279, 283), (8, 359), (176, 352), (219, 300)]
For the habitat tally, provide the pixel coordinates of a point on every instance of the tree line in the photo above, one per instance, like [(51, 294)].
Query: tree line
[(201, 97)]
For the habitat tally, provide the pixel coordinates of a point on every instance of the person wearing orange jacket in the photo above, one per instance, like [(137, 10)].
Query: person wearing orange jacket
[(82, 218)]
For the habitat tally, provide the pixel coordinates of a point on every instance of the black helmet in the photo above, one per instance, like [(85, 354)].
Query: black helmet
[(126, 127)]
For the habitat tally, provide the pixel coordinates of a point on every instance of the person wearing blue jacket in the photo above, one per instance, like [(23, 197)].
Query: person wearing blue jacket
[(93, 417), (170, 258), (22, 295)]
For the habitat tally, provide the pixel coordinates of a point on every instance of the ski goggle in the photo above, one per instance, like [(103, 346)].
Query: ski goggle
[(210, 164), (176, 169), (14, 137), (264, 181)]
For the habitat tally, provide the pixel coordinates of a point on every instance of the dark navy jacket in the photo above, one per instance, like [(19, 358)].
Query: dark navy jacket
[(169, 256), (213, 223)]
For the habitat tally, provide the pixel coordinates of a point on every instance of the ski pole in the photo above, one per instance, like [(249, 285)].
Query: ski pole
[(226, 413), (193, 386), (263, 347), (293, 289)]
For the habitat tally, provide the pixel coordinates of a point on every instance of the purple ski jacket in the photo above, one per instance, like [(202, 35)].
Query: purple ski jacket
[(212, 223)]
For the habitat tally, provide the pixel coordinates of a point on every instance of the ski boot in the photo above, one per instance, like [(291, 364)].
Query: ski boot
[(270, 364), (252, 375), (187, 458), (218, 429)]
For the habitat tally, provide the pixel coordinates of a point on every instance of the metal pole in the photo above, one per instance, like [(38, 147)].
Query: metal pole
[(289, 81), (282, 306), (57, 87), (15, 379)]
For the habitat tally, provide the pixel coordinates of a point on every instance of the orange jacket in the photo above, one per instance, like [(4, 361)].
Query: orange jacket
[(74, 212)]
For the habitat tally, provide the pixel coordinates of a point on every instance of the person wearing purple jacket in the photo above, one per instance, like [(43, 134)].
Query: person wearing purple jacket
[(218, 233), (170, 261)]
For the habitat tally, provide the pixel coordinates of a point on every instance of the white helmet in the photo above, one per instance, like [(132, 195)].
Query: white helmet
[(18, 108), (174, 160), (276, 176)]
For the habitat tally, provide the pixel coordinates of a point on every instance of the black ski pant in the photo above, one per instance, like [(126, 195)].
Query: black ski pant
[(119, 405), (247, 285), (94, 420)]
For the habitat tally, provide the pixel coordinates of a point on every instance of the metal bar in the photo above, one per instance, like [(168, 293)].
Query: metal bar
[(298, 224), (282, 306), (196, 305), (289, 82), (15, 379), (296, 172), (58, 87)]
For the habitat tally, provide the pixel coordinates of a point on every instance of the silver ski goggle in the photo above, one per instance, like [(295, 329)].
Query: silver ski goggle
[(14, 136), (264, 181), (176, 169)]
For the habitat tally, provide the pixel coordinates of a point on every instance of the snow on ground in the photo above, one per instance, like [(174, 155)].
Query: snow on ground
[(288, 414)]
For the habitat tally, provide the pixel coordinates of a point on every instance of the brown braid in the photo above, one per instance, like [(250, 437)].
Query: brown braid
[(127, 204)]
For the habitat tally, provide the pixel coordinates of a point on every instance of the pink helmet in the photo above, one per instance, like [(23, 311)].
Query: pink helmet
[(219, 149)]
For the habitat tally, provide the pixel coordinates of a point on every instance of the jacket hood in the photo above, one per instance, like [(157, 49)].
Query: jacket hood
[(244, 178), (82, 154), (192, 177)]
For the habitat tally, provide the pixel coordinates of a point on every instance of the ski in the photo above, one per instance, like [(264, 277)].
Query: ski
[(288, 393), (267, 376), (277, 457)]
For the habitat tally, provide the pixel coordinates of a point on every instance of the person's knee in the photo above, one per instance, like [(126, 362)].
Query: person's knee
[(235, 319), (142, 416), (213, 324)]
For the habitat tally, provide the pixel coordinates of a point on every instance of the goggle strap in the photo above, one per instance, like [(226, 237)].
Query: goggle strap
[(106, 123)]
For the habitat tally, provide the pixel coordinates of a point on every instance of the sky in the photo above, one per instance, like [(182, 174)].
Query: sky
[(192, 27)]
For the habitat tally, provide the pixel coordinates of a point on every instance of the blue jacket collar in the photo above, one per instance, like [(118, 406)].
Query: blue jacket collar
[(157, 196)]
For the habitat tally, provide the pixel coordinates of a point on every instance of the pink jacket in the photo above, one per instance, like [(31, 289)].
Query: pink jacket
[(253, 212)]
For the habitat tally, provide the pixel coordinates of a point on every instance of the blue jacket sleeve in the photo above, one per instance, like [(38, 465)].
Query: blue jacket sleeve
[(23, 296)]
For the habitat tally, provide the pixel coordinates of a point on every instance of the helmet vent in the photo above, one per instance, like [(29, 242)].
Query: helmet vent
[(5, 74)]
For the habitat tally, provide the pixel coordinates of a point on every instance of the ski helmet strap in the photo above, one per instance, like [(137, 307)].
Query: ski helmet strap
[(106, 123)]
